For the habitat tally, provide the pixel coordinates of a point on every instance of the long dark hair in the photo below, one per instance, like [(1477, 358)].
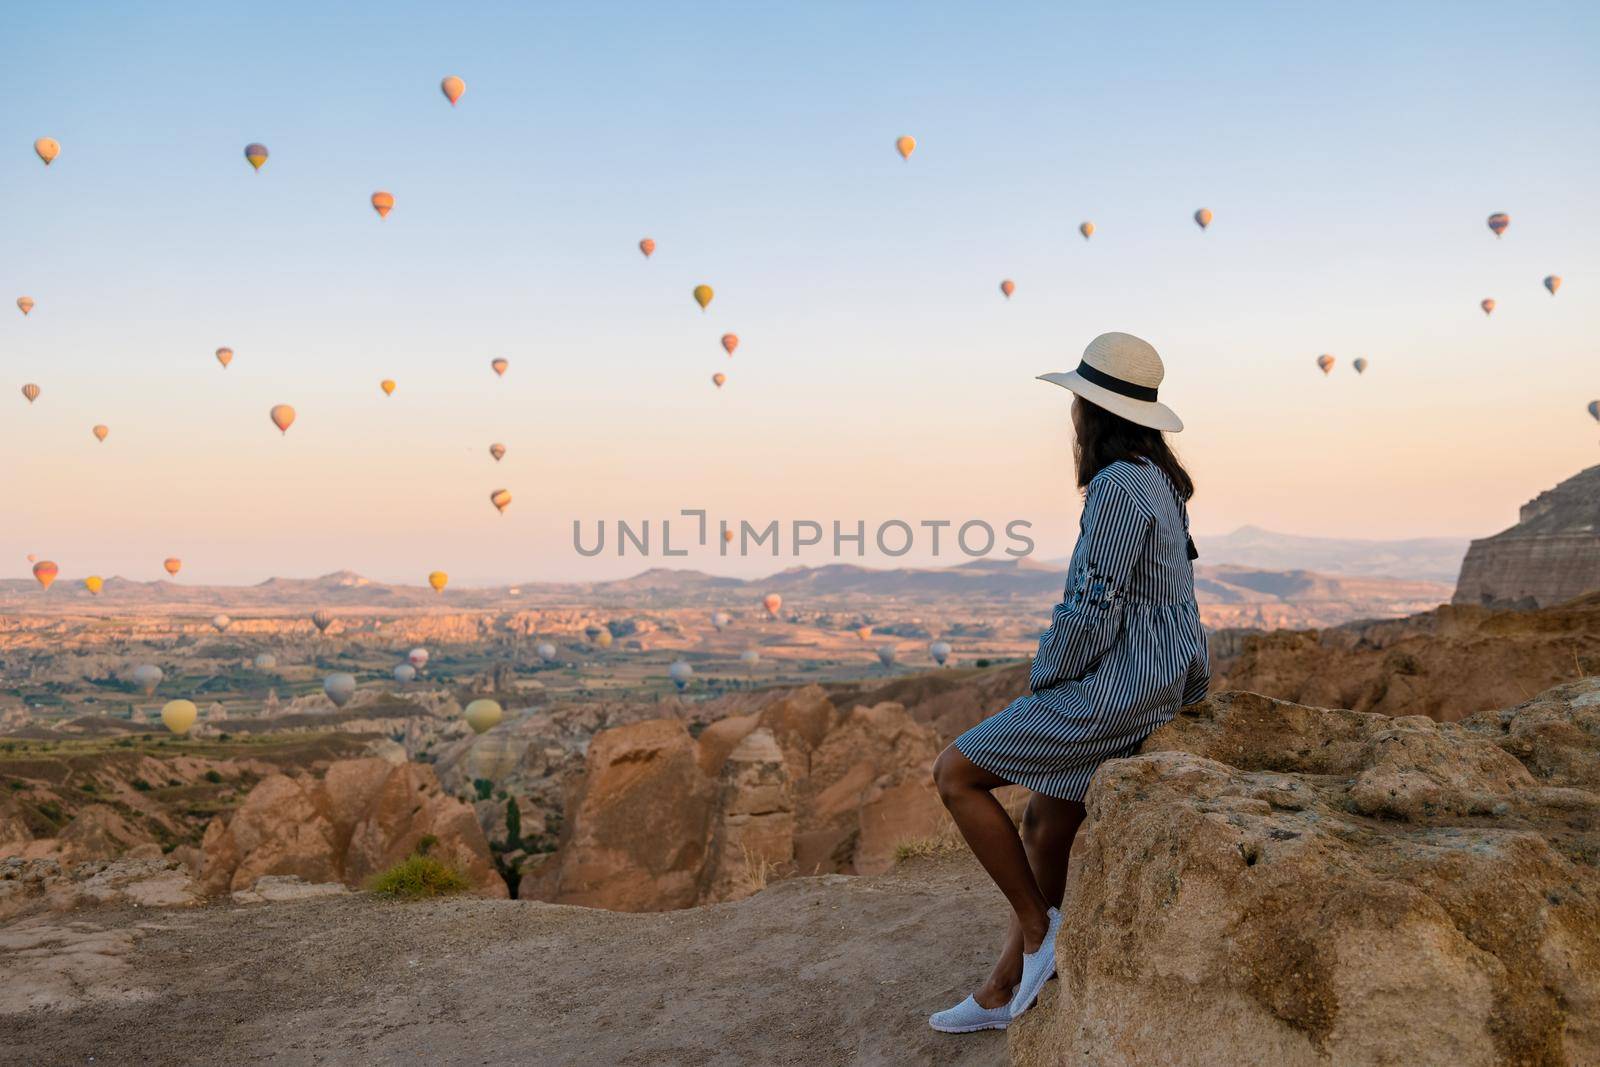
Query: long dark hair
[(1104, 438)]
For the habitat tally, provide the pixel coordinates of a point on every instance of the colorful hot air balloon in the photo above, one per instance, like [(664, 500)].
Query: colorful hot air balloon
[(498, 451), (147, 676), (94, 583), (1087, 229), (220, 623), (321, 619), (266, 661), (718, 378), (603, 639), (905, 146), (500, 366), (48, 148), (1008, 287), (772, 602), (382, 203), (172, 565), (1360, 364), (749, 657), (256, 154), (1498, 222), (282, 417), (452, 87), (482, 715), (720, 620), (1594, 410), (648, 247), (1552, 282), (438, 580), (387, 385), (702, 295), (886, 655), (179, 715), (730, 341), (546, 651), (863, 632), (339, 687), (1202, 218), (1487, 305), (405, 672), (418, 658), (100, 432), (1325, 362), (224, 357), (727, 535), (30, 391), (44, 572), (681, 674), (501, 499), (25, 304), (939, 651)]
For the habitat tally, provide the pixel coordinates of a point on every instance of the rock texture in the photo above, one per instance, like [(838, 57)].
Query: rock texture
[(1273, 883), (1551, 555)]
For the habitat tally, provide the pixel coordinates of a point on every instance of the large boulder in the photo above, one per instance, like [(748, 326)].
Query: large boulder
[(752, 835)]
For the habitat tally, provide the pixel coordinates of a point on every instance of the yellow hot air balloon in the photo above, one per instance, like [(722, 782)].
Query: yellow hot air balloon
[(863, 632), (730, 341), (30, 391), (501, 499), (703, 295), (382, 203), (718, 379), (1087, 229), (179, 715), (1325, 362), (94, 583), (1552, 282), (648, 247), (1202, 218), (172, 565), (452, 87), (772, 602), (438, 579), (256, 154), (100, 432), (25, 304), (1008, 287), (498, 451), (44, 572), (224, 357), (48, 148), (1487, 305), (499, 366), (282, 417), (905, 146), (1498, 222), (387, 385), (482, 715)]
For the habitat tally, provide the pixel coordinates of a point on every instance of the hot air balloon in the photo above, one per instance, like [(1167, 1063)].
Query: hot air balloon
[(499, 366), (32, 557), (603, 639), (340, 687), (452, 87), (886, 655), (727, 535), (720, 620), (648, 247), (44, 572), (1202, 218), (147, 676), (266, 661), (773, 603), (1087, 229), (382, 203), (939, 651), (405, 672), (256, 154), (905, 146), (30, 391), (1487, 305), (418, 658), (498, 451), (546, 651), (1552, 282), (282, 417), (1594, 410), (1498, 222), (438, 579), (1360, 364), (25, 304), (322, 619), (749, 657), (501, 499), (179, 715), (221, 622), (94, 583), (1008, 287), (387, 385), (224, 357), (681, 674), (172, 565), (703, 295), (863, 632), (718, 379), (482, 715), (100, 432), (48, 148), (1325, 362), (730, 341)]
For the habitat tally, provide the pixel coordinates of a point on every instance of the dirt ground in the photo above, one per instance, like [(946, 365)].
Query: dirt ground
[(816, 971)]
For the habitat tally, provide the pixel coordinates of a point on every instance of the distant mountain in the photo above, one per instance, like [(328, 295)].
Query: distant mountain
[(1433, 559)]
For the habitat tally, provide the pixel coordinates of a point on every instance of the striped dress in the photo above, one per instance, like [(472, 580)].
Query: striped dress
[(1124, 649)]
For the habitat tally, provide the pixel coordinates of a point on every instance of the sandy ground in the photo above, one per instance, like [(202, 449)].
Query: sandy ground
[(818, 971)]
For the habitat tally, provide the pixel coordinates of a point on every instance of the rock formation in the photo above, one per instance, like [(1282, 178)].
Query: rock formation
[(1550, 556)]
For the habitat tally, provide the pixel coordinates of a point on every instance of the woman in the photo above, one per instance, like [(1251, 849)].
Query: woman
[(1123, 652)]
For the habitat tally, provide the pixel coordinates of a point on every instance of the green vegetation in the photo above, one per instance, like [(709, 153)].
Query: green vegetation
[(419, 876), (484, 787), (513, 825), (141, 785), (213, 776)]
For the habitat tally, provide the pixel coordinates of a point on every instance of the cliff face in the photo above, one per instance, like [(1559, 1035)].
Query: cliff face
[(1550, 556)]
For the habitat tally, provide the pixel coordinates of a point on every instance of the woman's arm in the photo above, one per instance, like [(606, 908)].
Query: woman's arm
[(1086, 623)]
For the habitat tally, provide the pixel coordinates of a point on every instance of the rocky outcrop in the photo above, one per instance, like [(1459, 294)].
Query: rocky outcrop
[(1550, 556), (1273, 883), (752, 835), (47, 885)]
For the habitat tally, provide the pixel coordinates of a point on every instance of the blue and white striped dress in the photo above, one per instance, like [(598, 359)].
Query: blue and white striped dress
[(1124, 649)]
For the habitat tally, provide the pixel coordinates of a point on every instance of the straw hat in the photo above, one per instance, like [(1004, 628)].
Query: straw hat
[(1121, 373)]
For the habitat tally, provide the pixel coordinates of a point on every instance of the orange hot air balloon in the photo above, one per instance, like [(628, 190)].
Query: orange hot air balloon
[(1008, 287), (501, 499), (648, 247), (1325, 362), (772, 602), (718, 378), (100, 432), (48, 148), (452, 87), (863, 632), (32, 558), (44, 572), (499, 366), (498, 451), (703, 295), (30, 391), (1087, 229), (256, 154), (387, 385), (1499, 222), (905, 146), (94, 583), (1552, 282), (1487, 305), (172, 565), (727, 535), (382, 203), (282, 417), (438, 579), (730, 341), (25, 304), (1202, 218), (224, 357)]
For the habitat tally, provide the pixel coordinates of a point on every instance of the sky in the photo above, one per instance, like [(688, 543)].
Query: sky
[(1350, 157)]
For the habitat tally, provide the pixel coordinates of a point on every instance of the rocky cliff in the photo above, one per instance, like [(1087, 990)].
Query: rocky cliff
[(1551, 555)]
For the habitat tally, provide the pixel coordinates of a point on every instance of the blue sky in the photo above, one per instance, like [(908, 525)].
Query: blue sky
[(1350, 157)]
